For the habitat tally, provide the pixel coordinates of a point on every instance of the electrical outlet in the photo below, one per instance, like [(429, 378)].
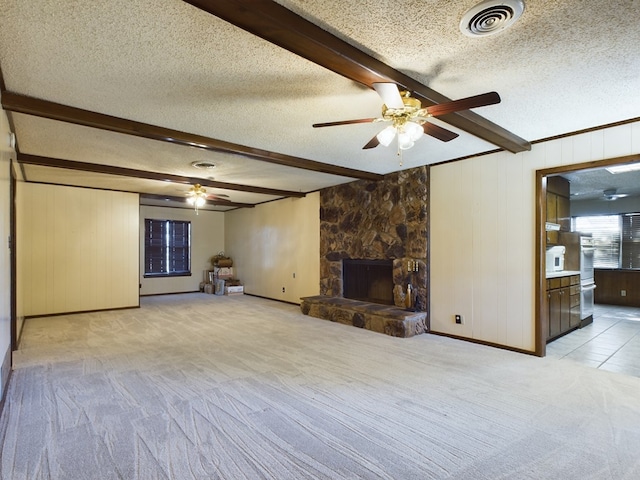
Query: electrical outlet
[(459, 319), (282, 289), (623, 293)]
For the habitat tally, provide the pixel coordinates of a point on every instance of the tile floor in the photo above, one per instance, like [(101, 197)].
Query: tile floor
[(611, 342)]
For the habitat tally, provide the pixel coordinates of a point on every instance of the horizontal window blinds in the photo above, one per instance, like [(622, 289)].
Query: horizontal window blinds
[(630, 256), (605, 230), (155, 257), (179, 247), (167, 247)]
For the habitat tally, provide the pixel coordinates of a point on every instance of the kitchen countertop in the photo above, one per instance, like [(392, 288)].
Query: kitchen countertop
[(562, 273)]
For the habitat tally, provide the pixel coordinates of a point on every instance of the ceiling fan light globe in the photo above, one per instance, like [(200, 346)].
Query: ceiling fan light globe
[(385, 137), (191, 200), (404, 141), (414, 130), (200, 201)]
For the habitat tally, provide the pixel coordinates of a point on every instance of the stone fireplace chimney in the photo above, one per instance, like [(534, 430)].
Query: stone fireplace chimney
[(374, 221)]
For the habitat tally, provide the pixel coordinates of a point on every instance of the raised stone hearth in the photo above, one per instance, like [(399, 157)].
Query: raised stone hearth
[(372, 316)]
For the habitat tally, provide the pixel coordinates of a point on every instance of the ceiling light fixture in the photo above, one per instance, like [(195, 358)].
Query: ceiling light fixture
[(627, 167), (403, 127), (197, 196), (406, 132)]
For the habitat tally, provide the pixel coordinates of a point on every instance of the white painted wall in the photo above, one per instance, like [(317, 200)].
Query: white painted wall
[(6, 152), (482, 214), (77, 249), (272, 242), (207, 239)]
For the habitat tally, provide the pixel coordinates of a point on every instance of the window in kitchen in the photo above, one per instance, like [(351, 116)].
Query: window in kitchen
[(630, 257), (616, 239), (167, 248)]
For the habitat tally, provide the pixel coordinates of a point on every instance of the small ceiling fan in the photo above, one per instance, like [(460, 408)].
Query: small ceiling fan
[(197, 196), (409, 120), (612, 194)]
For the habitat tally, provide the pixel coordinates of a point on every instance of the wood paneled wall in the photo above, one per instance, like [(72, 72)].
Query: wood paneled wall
[(610, 285), (6, 154), (276, 247), (77, 249), (479, 252), (483, 233)]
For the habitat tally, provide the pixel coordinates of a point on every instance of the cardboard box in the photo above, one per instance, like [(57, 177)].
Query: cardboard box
[(226, 272), (237, 290)]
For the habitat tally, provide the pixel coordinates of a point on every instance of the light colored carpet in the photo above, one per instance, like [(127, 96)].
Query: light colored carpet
[(207, 387)]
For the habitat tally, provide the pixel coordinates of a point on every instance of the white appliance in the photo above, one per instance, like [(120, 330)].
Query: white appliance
[(555, 258), (587, 282)]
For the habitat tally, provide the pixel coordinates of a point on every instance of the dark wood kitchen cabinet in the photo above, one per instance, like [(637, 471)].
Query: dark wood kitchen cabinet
[(564, 305), (555, 312), (558, 206)]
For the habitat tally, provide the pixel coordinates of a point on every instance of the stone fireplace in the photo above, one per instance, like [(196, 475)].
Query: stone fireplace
[(385, 220), (376, 221)]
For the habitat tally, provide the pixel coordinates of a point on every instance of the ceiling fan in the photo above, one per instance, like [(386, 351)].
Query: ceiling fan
[(197, 196), (409, 120), (612, 194)]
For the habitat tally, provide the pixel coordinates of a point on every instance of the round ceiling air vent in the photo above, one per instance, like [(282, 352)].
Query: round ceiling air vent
[(203, 165), (490, 17)]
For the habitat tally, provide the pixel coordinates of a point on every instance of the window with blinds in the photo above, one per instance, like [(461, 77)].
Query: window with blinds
[(630, 257), (616, 239), (167, 248)]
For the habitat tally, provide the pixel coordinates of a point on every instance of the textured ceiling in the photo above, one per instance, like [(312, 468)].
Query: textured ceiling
[(564, 66), (591, 184)]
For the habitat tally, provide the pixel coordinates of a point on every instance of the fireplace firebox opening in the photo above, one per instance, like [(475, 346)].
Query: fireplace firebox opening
[(368, 280)]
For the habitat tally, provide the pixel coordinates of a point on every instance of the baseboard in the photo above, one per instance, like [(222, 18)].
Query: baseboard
[(79, 311), (482, 342), (274, 299), (5, 375), (170, 293)]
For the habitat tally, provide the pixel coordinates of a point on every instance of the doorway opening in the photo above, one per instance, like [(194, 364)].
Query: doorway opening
[(587, 191)]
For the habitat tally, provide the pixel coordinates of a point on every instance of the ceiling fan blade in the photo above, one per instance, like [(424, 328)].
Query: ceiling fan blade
[(217, 196), (464, 104), (373, 143), (343, 122), (438, 132), (390, 94)]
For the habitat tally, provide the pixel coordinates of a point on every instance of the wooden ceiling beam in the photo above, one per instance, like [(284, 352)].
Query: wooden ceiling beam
[(278, 25), (18, 103), (163, 177)]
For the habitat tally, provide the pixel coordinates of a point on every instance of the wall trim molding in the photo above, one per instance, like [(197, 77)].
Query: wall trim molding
[(482, 342), (167, 293), (6, 366), (546, 139), (57, 314), (274, 299)]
